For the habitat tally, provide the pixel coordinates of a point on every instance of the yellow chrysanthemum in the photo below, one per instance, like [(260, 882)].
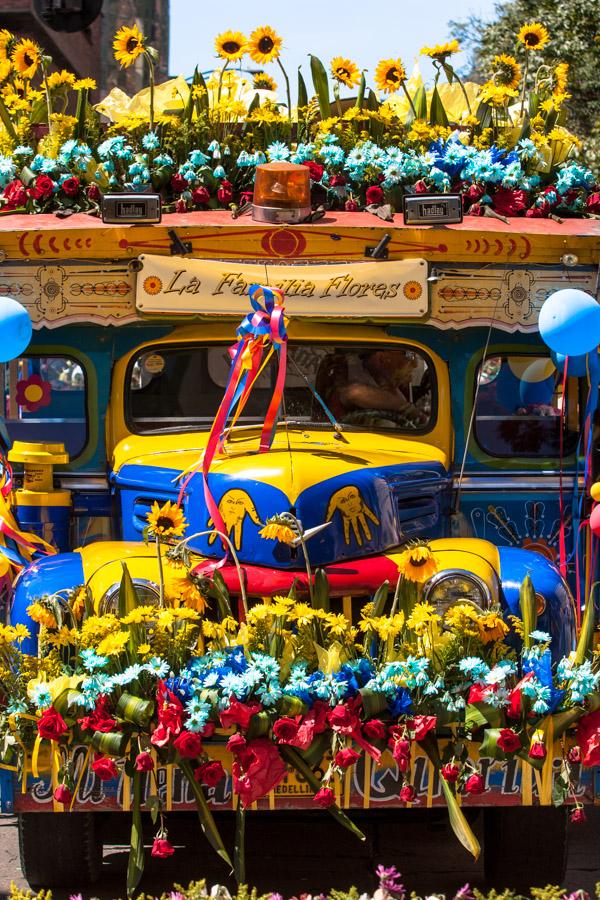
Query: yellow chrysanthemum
[(139, 615), (492, 627), (10, 634), (84, 84), (422, 615), (264, 82), (264, 45), (390, 75), (496, 95), (95, 628), (230, 45), (463, 619), (128, 44), (441, 51), (533, 36), (507, 71), (166, 520), (278, 531), (113, 644), (56, 79), (144, 649), (41, 615), (64, 637), (26, 57), (345, 71), (417, 563)]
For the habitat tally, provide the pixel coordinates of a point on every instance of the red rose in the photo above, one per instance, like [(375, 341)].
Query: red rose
[(286, 729), (225, 192), (179, 183), (63, 795), (478, 210), (144, 762), (338, 181), (208, 730), (351, 205), (105, 768), (246, 197), (257, 770), (239, 713), (93, 192), (374, 730), (343, 719), (408, 793), (450, 772), (475, 784), (43, 188), (478, 693), (325, 797), (180, 206), (346, 757), (574, 755), (474, 193), (422, 725), (507, 202), (374, 195), (15, 194), (52, 726), (514, 698), (162, 848), (200, 196), (509, 741), (592, 204), (588, 738), (70, 186), (421, 187), (170, 716), (236, 743), (578, 815), (188, 745), (537, 750), (100, 719), (542, 211), (315, 170), (210, 773)]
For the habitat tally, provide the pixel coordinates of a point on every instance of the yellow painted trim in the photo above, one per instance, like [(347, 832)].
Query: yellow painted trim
[(50, 498)]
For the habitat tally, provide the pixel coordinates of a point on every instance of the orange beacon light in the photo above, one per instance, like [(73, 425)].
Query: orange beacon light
[(281, 193)]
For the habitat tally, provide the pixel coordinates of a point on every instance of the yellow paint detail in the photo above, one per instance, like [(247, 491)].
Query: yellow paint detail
[(354, 513), (234, 506), (42, 498)]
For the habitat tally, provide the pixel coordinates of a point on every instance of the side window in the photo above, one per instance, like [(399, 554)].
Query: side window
[(521, 410), (45, 400)]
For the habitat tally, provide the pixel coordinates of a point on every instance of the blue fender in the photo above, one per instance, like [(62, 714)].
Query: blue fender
[(46, 576), (558, 617)]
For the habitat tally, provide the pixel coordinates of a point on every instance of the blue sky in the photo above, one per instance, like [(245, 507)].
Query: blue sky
[(364, 30)]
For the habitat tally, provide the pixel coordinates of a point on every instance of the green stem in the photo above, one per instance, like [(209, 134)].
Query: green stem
[(336, 94), (409, 98), (221, 73), (151, 74), (48, 100), (464, 93), (523, 89), (308, 569), (161, 577), (287, 88)]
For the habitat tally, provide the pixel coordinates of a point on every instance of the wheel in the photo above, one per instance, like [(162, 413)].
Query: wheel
[(60, 849), (525, 847)]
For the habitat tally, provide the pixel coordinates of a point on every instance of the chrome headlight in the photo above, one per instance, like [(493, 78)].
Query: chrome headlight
[(445, 589), (148, 594)]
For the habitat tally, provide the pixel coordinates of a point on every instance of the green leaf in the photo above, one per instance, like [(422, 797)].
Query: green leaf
[(80, 113), (449, 72), (437, 113), (380, 599), (586, 635), (479, 714), (134, 709), (7, 121), (302, 92), (128, 598), (460, 826), (153, 804), (221, 594), (254, 104), (321, 85), (534, 103), (207, 821), (314, 754), (360, 98), (298, 763), (374, 702), (372, 102), (484, 115), (135, 865), (239, 849), (111, 742), (420, 102), (489, 745), (320, 594), (528, 605), (291, 706)]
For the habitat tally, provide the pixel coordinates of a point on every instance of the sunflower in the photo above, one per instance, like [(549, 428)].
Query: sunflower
[(507, 71), (533, 36), (6, 37), (390, 75), (230, 45), (26, 57), (264, 45), (277, 529), (84, 84), (345, 71), (5, 69), (417, 563), (41, 615), (441, 51), (56, 79), (128, 44), (495, 94), (492, 627), (166, 520), (559, 79), (264, 82)]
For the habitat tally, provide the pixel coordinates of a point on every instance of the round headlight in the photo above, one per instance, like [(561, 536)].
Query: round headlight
[(148, 594), (448, 588)]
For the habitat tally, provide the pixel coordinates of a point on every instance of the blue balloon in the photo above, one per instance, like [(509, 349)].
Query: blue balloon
[(15, 327), (569, 322), (577, 367), (533, 393)]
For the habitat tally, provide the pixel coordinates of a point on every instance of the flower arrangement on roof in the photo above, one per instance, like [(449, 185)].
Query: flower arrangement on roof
[(503, 144)]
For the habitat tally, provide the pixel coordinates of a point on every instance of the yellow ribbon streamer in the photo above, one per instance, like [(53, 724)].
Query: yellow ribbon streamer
[(367, 785)]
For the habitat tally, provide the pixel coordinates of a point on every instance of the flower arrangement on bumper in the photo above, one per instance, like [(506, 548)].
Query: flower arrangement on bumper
[(294, 685), (504, 145)]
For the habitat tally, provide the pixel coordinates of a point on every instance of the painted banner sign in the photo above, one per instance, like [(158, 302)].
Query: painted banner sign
[(370, 290)]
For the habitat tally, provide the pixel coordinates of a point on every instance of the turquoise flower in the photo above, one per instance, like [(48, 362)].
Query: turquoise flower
[(41, 696), (150, 141), (278, 152), (198, 158), (219, 172)]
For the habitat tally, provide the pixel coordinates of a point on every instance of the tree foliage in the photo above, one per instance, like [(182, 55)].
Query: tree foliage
[(574, 27)]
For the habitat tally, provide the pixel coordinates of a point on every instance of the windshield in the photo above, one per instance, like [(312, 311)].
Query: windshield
[(181, 387)]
